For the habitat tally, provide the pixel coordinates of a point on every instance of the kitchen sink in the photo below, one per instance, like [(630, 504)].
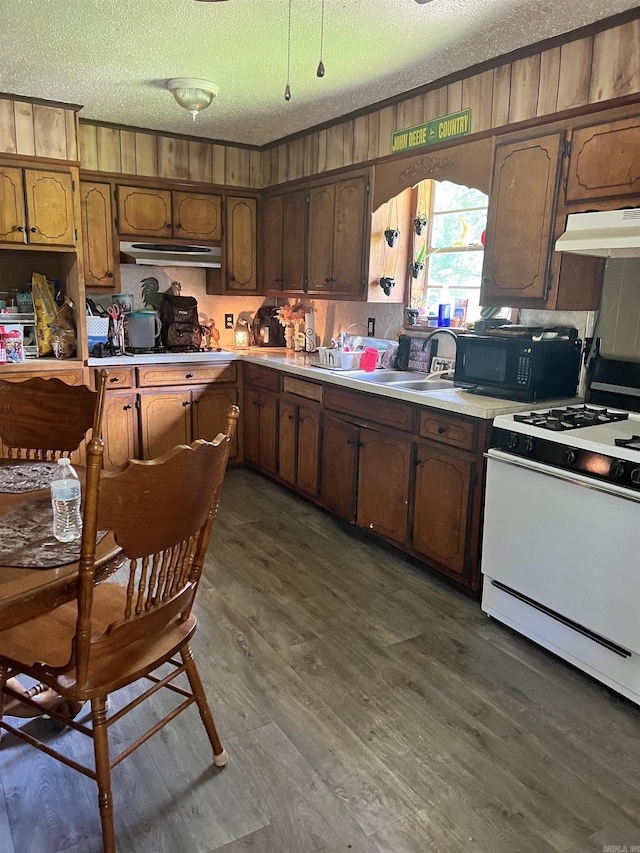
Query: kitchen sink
[(384, 377), (423, 385)]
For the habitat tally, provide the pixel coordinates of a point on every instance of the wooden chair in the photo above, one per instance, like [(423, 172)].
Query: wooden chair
[(46, 418), (161, 513)]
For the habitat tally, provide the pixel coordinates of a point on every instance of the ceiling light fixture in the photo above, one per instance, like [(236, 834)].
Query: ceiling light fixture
[(192, 93)]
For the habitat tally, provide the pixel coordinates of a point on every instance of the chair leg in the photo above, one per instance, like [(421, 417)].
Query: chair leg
[(220, 756), (4, 675), (103, 772)]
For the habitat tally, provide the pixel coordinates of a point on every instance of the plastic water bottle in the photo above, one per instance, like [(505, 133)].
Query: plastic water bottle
[(65, 499)]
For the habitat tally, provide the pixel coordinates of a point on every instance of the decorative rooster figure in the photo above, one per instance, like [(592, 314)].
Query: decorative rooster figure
[(151, 294)]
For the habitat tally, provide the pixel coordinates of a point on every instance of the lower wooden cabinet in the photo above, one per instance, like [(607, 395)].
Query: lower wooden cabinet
[(339, 466), (260, 419), (120, 429), (209, 408), (443, 484), (299, 445)]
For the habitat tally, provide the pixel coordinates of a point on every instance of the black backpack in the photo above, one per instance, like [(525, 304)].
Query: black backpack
[(180, 327)]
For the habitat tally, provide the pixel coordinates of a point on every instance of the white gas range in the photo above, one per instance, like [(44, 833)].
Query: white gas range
[(561, 544)]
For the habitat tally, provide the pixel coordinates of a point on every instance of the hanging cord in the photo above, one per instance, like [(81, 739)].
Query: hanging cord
[(287, 90), (320, 71)]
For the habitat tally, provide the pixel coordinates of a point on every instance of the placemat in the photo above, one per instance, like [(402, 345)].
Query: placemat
[(26, 476), (27, 540)]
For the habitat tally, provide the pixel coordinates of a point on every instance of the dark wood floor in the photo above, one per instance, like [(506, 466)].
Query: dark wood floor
[(365, 706)]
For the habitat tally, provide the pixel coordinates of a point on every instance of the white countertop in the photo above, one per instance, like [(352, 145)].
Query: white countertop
[(306, 365)]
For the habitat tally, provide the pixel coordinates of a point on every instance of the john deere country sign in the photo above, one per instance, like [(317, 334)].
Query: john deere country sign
[(438, 130)]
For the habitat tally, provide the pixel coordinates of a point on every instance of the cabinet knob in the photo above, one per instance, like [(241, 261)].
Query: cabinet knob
[(19, 228), (114, 379), (185, 402), (291, 417), (178, 225), (441, 430), (232, 277), (486, 279), (279, 279), (126, 408), (350, 442), (33, 230), (188, 376), (167, 225), (109, 275)]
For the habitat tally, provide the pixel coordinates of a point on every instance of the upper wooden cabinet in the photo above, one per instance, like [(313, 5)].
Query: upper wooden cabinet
[(336, 237), (241, 251), (283, 240), (36, 207), (165, 213), (100, 268), (516, 269), (604, 161)]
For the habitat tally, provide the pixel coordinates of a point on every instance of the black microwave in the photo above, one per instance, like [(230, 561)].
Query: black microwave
[(518, 367)]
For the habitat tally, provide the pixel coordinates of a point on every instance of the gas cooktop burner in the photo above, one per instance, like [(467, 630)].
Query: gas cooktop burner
[(571, 417), (633, 442)]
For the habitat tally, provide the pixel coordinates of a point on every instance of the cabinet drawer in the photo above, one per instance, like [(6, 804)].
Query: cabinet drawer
[(119, 377), (16, 374), (370, 407), (263, 377), (197, 374), (453, 431), (302, 388)]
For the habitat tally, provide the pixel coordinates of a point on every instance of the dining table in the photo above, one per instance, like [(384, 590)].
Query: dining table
[(38, 573)]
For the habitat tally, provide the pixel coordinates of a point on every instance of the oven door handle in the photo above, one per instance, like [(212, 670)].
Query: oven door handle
[(559, 474)]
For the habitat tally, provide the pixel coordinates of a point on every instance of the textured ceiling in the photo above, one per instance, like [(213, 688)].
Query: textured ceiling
[(115, 56)]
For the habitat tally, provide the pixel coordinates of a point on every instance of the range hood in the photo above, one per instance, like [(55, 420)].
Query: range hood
[(610, 234), (172, 254)]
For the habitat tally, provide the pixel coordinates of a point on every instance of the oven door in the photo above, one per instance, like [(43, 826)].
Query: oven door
[(565, 542)]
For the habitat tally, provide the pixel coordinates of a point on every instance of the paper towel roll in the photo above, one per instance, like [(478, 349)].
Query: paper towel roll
[(310, 333)]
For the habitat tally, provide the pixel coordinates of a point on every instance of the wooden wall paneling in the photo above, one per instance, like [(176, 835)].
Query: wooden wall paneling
[(477, 96), (23, 117), (525, 82), (549, 79), (435, 103), (282, 163), (575, 73), (128, 151), (108, 143), (218, 167), (71, 122), (173, 158), (50, 132), (387, 126), (361, 139), (89, 147), (255, 171), (616, 62), (295, 153), (374, 135), (146, 154), (322, 151), (242, 166), (7, 127), (265, 167), (234, 167), (454, 97), (335, 147), (501, 95), (347, 143), (409, 113), (200, 159), (310, 154)]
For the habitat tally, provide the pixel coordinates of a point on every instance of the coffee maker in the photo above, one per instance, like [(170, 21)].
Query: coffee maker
[(267, 328)]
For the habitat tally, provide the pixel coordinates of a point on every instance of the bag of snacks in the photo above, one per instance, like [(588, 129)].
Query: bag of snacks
[(46, 310), (63, 332)]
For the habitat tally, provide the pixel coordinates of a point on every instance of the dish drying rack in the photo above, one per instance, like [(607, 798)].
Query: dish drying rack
[(339, 359)]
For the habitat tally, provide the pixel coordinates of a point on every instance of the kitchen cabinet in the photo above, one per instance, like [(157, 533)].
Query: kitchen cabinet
[(339, 466), (259, 417), (100, 266), (299, 427), (336, 237), (604, 161), (517, 256), (241, 245), (157, 212), (120, 429), (36, 207), (283, 241)]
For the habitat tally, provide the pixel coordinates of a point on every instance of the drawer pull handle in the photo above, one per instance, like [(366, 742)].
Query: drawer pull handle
[(441, 430), (115, 379), (185, 402), (188, 376)]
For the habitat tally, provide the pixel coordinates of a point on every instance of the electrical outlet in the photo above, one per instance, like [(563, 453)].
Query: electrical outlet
[(228, 321), (371, 327)]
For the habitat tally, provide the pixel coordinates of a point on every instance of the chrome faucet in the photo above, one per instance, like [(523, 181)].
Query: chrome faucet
[(439, 331)]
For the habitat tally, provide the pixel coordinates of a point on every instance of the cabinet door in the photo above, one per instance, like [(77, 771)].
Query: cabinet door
[(441, 507), (268, 432), (520, 221), (339, 466), (49, 197), (287, 442), (251, 425), (97, 234), (241, 244), (165, 420), (144, 212), (272, 242), (604, 161), (308, 452), (348, 236), (383, 484), (120, 429), (197, 216), (294, 216), (320, 239), (209, 414), (12, 216)]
